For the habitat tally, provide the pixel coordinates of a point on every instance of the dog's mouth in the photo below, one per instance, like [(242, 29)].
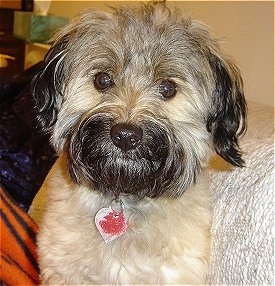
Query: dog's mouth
[(123, 158)]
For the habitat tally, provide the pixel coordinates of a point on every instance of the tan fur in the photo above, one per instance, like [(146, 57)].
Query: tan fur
[(161, 182), (168, 241)]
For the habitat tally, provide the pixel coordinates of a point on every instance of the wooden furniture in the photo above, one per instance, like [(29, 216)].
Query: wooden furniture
[(12, 50)]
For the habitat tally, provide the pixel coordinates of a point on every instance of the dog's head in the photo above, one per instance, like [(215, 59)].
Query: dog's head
[(138, 98)]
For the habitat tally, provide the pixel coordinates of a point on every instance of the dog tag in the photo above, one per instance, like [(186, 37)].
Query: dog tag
[(111, 223)]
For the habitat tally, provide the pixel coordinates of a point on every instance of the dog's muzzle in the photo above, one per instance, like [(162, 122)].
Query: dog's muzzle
[(124, 158)]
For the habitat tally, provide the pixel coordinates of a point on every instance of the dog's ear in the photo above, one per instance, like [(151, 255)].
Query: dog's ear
[(227, 120), (46, 86)]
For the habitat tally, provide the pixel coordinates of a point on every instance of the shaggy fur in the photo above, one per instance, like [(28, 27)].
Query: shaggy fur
[(163, 80)]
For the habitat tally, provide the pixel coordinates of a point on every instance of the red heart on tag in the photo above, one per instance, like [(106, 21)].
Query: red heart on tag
[(110, 224)]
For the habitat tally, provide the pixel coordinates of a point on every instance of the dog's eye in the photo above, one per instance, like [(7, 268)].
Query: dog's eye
[(102, 81), (167, 89)]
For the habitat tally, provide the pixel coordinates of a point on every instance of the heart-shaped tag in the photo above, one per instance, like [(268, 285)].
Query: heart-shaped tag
[(110, 224)]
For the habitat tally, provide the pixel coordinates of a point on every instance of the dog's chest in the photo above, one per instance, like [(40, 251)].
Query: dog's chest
[(144, 250), (155, 247)]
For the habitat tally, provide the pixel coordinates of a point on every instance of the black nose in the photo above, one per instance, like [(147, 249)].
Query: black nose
[(126, 136)]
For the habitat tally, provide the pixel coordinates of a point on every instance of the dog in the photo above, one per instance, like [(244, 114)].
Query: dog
[(136, 101)]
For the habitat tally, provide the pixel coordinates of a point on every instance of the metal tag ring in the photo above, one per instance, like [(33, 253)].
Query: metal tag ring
[(117, 207)]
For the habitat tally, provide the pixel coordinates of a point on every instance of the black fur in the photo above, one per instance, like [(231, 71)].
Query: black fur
[(228, 118), (148, 170), (46, 86)]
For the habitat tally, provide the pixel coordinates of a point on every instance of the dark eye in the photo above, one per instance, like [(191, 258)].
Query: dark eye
[(167, 88), (102, 81)]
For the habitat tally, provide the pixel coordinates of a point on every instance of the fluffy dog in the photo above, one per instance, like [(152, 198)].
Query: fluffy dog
[(136, 100)]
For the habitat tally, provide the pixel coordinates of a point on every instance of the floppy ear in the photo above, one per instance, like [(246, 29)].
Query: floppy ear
[(227, 120), (46, 86)]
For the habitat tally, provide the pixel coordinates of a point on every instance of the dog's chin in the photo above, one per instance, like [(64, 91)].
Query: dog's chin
[(151, 169)]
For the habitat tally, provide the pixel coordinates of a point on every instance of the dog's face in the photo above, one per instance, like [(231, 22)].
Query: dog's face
[(138, 98)]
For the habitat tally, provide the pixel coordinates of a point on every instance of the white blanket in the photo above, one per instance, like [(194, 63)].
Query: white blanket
[(243, 218)]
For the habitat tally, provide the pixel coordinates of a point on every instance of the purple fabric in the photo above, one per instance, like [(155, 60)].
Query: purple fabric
[(25, 155)]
